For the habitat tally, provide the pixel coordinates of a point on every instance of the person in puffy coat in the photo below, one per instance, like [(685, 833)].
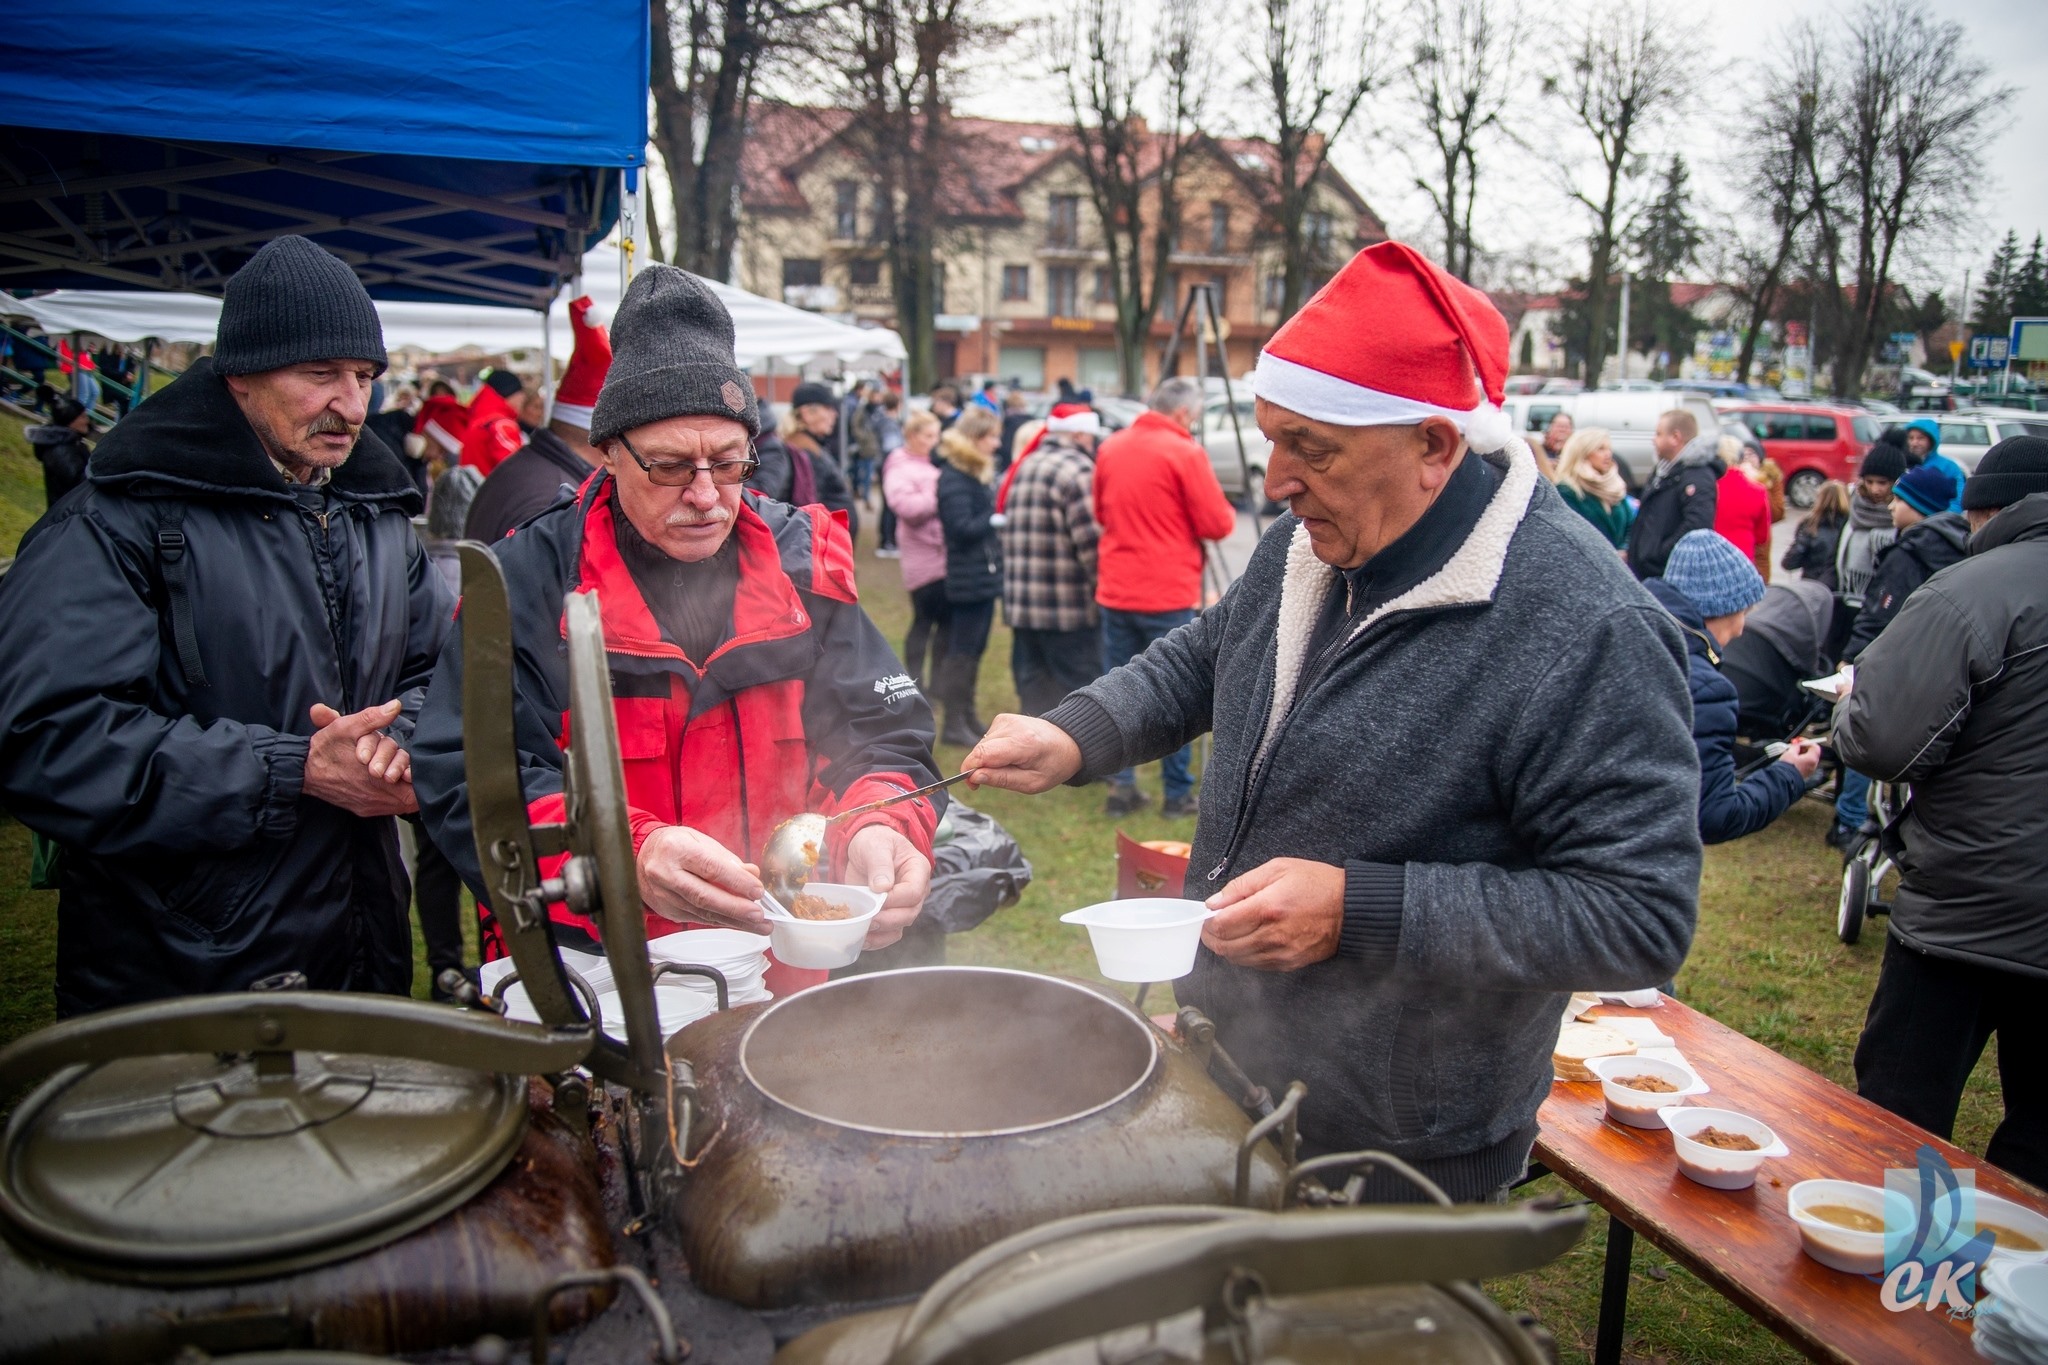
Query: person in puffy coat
[(1682, 494), (1922, 436), (1930, 539), (974, 564), (210, 662), (60, 446), (1709, 586), (910, 485), (1950, 699)]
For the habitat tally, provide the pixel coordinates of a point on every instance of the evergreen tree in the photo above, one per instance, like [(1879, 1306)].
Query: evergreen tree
[(1994, 300), (2030, 285), (1667, 239)]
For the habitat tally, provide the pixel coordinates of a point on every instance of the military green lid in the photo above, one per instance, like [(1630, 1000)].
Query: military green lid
[(190, 1168)]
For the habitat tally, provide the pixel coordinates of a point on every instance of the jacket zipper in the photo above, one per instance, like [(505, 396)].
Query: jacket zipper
[(739, 744), (1255, 777)]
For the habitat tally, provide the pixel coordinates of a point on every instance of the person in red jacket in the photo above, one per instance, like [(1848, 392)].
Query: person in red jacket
[(1157, 500), (1742, 509), (494, 431), (748, 684)]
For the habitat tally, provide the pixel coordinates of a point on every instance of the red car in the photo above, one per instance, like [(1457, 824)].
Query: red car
[(1812, 442)]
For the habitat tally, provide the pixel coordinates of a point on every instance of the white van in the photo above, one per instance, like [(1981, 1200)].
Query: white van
[(1630, 417)]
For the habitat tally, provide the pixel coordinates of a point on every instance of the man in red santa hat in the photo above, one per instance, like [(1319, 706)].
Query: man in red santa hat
[(494, 431), (558, 454), (1453, 776)]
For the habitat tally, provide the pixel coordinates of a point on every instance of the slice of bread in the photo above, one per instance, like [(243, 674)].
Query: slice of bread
[(1578, 1044)]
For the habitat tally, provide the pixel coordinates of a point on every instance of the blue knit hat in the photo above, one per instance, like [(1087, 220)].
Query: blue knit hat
[(1713, 575), (1928, 489)]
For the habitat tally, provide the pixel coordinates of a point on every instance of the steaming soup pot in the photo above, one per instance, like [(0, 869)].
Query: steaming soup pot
[(855, 1140)]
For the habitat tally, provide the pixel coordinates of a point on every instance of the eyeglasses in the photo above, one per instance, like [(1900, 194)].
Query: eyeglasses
[(683, 473)]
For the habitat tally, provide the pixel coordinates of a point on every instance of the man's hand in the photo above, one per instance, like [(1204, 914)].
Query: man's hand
[(350, 765), (1021, 754), (881, 859), (1804, 755), (686, 875), (1279, 917)]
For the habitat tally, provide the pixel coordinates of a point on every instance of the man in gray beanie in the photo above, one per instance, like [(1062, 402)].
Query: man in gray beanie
[(1949, 698), (210, 661), (748, 684)]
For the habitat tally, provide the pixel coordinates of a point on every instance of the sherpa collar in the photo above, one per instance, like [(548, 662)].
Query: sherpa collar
[(1468, 578), (191, 438)]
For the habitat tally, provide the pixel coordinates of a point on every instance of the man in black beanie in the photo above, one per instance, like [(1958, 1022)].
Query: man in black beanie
[(748, 684), (210, 660), (1950, 698)]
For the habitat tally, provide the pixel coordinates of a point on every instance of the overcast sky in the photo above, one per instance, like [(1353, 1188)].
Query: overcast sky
[(1523, 211)]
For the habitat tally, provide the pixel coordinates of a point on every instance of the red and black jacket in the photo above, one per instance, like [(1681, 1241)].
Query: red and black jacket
[(804, 707)]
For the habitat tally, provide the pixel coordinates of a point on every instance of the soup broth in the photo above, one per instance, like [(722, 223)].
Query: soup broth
[(2010, 1239), (1843, 1216)]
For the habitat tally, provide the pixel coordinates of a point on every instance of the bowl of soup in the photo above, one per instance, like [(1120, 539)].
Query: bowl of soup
[(2019, 1234), (1842, 1224), (1719, 1147)]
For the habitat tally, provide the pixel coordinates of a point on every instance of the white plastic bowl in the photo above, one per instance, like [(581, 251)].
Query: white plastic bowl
[(1145, 938), (1714, 1166), (2021, 1291), (1840, 1248), (818, 943), (1642, 1108), (2021, 1219)]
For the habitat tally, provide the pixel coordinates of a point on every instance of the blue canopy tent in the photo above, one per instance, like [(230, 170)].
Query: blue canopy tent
[(449, 155)]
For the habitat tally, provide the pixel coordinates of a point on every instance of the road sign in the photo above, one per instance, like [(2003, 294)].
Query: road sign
[(1987, 353), (2029, 339), (1955, 350)]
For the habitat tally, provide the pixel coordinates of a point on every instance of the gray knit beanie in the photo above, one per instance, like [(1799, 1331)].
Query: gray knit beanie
[(672, 356), (293, 302)]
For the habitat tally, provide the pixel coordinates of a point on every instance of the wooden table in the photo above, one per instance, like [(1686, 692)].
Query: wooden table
[(1743, 1242)]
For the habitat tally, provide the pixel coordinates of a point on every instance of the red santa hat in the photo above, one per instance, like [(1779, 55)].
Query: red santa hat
[(444, 419), (1392, 339), (588, 364)]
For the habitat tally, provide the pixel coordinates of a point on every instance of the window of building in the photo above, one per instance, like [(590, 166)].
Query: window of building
[(796, 272), (1105, 286), (1016, 283), (1169, 297), (1023, 366), (846, 210), (1063, 285), (1276, 290), (864, 271), (1095, 368), (1219, 228), (1063, 220), (1219, 290), (1318, 229)]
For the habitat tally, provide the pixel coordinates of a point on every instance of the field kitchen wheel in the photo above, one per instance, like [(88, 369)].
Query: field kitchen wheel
[(1855, 900)]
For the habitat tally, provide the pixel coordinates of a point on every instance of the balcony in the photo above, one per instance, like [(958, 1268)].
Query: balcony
[(870, 295)]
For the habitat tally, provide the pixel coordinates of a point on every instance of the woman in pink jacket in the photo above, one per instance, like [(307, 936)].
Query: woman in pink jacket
[(910, 482)]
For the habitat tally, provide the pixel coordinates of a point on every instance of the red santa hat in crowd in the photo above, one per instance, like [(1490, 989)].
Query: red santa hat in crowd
[(589, 363), (1072, 418), (1392, 339), (444, 421)]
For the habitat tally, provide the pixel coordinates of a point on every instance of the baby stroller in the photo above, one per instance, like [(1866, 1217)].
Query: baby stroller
[(1868, 865)]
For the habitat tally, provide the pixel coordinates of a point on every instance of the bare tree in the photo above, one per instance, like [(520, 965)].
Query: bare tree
[(1776, 168), (1313, 70), (1111, 79), (1914, 108), (1460, 83), (901, 60), (1624, 74), (706, 57)]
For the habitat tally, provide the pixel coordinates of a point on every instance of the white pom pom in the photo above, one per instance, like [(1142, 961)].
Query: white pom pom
[(415, 445), (1487, 428)]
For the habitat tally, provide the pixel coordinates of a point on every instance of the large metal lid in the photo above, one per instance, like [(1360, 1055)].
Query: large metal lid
[(202, 1167)]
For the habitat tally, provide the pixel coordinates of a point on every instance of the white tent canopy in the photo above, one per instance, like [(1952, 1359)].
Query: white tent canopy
[(764, 329)]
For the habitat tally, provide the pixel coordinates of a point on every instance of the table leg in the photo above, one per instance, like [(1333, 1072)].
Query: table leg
[(1621, 1245)]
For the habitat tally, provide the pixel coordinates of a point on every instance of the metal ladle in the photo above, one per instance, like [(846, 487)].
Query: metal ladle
[(795, 845)]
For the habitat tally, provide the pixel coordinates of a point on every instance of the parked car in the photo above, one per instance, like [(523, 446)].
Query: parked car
[(1117, 413), (1812, 442), (1220, 440), (1630, 417), (1967, 434)]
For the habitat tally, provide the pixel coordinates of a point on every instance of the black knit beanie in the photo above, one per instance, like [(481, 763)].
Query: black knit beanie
[(293, 302), (1883, 461), (504, 383), (2008, 471), (672, 356), (811, 392)]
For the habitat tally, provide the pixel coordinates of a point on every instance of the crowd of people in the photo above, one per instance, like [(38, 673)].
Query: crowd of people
[(227, 662)]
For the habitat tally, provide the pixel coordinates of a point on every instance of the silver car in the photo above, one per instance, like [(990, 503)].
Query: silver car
[(1220, 440), (1967, 434)]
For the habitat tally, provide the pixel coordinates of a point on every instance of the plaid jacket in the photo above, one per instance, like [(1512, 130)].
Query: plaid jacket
[(1049, 541)]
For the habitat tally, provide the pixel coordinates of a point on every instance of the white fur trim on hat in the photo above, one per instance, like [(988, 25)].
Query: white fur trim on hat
[(1326, 398), (573, 413), (1081, 423), (449, 443)]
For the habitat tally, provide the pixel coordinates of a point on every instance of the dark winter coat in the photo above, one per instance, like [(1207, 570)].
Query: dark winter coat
[(193, 860), (1683, 500), (974, 551), (776, 479), (1812, 552), (1950, 699), (63, 454), (532, 479), (1506, 835), (1922, 550), (1728, 809)]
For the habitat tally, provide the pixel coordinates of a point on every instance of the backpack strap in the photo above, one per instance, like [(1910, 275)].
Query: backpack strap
[(170, 552)]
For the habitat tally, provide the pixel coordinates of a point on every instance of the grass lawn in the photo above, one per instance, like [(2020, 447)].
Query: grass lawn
[(1766, 962)]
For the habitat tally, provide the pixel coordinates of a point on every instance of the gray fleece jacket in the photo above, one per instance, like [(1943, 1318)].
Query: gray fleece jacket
[(1501, 758)]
